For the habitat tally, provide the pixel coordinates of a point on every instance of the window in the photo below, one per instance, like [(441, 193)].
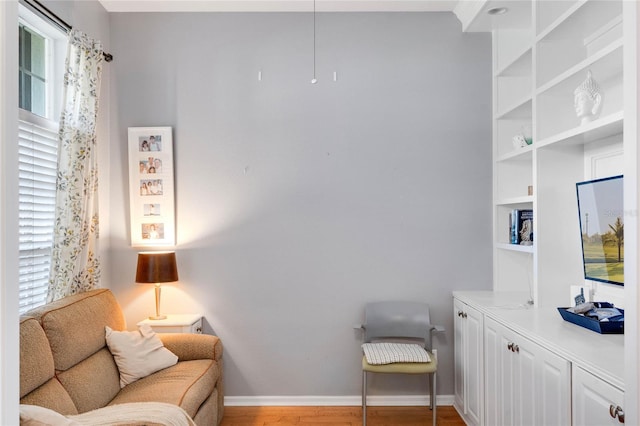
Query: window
[(42, 49), (32, 71), (41, 56), (38, 155)]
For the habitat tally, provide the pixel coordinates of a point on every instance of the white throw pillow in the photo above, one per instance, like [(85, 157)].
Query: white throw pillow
[(33, 415), (138, 353)]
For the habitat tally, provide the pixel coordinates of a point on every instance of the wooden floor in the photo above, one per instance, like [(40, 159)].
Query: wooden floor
[(338, 416)]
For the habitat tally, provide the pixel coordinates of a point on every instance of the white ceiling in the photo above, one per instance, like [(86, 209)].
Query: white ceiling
[(279, 5)]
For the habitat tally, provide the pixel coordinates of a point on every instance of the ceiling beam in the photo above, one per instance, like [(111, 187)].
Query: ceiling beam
[(279, 5)]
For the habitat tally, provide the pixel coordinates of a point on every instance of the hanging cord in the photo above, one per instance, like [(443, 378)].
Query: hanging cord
[(314, 80)]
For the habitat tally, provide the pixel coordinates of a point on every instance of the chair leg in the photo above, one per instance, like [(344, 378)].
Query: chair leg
[(434, 402), (430, 377), (364, 398)]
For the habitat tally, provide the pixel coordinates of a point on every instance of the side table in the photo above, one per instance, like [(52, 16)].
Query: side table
[(177, 323)]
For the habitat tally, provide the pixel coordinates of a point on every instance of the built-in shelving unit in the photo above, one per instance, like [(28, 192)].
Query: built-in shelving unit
[(542, 51), (513, 171), (541, 54)]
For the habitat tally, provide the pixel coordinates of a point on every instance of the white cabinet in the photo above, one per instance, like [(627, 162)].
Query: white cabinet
[(525, 383), (521, 365), (595, 402), (468, 360)]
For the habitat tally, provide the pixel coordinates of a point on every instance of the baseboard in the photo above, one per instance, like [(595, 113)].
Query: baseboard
[(346, 400)]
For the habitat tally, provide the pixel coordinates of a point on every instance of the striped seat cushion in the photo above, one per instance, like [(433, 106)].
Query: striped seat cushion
[(389, 353)]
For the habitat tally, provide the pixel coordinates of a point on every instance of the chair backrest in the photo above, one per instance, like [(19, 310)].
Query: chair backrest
[(396, 319)]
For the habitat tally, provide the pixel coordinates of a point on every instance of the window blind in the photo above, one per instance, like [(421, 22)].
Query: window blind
[(38, 156)]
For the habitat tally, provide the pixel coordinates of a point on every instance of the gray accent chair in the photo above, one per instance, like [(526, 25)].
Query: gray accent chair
[(391, 321)]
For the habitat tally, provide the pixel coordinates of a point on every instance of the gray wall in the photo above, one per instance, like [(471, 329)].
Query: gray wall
[(297, 203)]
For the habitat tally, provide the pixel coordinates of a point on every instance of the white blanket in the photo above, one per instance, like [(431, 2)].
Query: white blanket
[(137, 413)]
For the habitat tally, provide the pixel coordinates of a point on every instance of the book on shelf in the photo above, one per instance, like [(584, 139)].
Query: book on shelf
[(521, 227)]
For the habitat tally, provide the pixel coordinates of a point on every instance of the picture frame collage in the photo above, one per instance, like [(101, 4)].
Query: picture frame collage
[(151, 186)]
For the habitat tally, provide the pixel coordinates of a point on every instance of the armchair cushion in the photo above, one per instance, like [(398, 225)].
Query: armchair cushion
[(389, 353), (186, 384)]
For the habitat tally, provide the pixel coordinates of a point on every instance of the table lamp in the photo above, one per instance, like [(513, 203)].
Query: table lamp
[(157, 267)]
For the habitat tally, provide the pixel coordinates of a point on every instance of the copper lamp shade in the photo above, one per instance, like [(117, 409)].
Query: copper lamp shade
[(157, 268)]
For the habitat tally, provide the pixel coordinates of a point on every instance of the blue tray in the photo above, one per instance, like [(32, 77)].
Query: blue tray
[(606, 327)]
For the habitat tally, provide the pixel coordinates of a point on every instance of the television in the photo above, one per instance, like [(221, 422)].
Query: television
[(601, 213)]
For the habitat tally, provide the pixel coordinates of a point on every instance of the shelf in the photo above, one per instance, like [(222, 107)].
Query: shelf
[(519, 109), (518, 154), (604, 64), (555, 110), (599, 129), (514, 247), (561, 19), (549, 12), (513, 201), (521, 65), (581, 20)]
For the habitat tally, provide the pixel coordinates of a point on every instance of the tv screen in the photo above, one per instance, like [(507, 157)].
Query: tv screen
[(600, 208)]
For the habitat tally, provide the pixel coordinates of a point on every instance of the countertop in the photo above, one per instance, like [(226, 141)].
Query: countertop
[(600, 354)]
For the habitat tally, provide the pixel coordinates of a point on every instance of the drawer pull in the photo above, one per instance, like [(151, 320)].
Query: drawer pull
[(616, 411), (513, 347)]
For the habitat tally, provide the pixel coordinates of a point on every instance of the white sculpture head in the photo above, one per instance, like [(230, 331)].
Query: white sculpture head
[(587, 100)]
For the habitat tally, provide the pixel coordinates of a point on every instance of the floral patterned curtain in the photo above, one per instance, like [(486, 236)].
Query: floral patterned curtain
[(75, 266)]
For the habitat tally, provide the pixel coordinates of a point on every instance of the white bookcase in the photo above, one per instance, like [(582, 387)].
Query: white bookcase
[(542, 51)]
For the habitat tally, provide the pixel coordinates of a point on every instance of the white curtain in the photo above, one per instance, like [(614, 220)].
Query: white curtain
[(75, 266)]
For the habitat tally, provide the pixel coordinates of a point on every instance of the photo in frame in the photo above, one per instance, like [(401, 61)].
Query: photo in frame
[(151, 186)]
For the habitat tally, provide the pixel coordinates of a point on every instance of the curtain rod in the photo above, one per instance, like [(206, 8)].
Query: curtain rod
[(46, 13)]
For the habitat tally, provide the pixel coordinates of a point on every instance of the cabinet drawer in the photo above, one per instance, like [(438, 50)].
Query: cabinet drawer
[(196, 327), (595, 401)]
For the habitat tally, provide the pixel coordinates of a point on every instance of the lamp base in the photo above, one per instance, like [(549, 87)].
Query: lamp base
[(158, 317)]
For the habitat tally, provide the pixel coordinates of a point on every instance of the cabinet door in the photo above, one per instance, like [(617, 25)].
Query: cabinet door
[(499, 398), (468, 361), (458, 354), (553, 389), (474, 382), (592, 400), (526, 383), (542, 383), (526, 397)]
